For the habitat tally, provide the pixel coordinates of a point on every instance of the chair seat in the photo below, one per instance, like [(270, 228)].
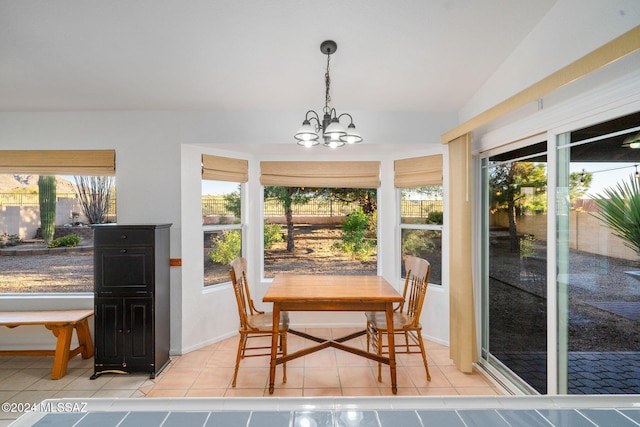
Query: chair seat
[(379, 320), (264, 321)]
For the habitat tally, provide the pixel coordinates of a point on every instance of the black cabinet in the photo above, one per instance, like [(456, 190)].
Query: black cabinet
[(131, 294)]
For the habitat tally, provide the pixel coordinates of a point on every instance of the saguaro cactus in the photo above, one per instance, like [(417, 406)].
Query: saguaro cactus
[(47, 198)]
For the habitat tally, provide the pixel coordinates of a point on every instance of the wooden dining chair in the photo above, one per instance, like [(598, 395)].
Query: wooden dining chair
[(406, 317), (254, 323)]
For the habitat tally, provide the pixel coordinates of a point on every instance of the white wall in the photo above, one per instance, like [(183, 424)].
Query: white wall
[(158, 180), (570, 30)]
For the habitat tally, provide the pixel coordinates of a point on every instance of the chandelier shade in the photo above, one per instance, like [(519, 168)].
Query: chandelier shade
[(333, 133)]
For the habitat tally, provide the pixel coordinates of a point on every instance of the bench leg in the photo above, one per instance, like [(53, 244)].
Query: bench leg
[(61, 357), (84, 338)]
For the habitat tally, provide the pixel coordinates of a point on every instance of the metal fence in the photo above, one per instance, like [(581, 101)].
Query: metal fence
[(32, 199), (28, 199), (222, 207), (410, 208)]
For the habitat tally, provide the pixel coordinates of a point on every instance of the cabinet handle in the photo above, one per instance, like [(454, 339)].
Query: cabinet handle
[(123, 251), (123, 236), (128, 331), (120, 331)]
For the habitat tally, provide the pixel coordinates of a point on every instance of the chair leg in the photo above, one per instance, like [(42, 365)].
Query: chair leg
[(242, 342), (368, 336), (380, 354), (424, 355), (283, 347)]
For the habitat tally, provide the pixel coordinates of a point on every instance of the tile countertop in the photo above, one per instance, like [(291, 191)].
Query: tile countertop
[(575, 410)]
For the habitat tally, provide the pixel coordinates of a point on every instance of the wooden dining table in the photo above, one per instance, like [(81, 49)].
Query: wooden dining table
[(294, 292)]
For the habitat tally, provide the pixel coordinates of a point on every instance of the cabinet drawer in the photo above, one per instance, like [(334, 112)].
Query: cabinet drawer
[(123, 237), (124, 270)]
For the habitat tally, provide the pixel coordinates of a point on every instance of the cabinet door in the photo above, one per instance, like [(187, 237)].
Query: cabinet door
[(109, 327), (124, 270), (139, 331)]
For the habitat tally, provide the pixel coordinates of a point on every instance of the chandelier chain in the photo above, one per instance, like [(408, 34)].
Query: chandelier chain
[(327, 82)]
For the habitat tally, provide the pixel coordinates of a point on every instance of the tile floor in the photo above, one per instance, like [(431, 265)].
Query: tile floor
[(207, 372)]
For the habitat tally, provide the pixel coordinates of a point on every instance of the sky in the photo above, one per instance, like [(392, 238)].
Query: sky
[(216, 188), (605, 175)]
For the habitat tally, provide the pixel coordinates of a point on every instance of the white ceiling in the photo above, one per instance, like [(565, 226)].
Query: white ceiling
[(258, 55)]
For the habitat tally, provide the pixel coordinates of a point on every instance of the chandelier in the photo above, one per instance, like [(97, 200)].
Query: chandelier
[(333, 133)]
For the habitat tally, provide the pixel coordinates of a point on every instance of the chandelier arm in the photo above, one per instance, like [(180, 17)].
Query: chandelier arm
[(314, 116), (346, 114)]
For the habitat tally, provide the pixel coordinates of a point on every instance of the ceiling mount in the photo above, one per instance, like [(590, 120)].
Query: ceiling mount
[(328, 47)]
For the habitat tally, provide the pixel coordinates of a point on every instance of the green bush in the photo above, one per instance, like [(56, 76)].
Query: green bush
[(354, 238), (527, 246), (435, 217), (9, 240), (68, 241), (420, 242), (226, 247), (272, 234)]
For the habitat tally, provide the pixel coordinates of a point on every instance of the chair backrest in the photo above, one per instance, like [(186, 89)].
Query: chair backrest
[(409, 260), (416, 288), (238, 273)]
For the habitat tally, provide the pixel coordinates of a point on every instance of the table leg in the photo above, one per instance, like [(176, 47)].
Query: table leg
[(392, 348), (275, 333), (63, 344), (84, 338)]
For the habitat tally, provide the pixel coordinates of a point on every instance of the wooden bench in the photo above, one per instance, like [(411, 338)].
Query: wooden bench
[(61, 323)]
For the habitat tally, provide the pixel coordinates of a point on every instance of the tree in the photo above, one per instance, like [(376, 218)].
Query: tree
[(94, 193), (510, 183), (365, 197), (233, 203), (579, 184), (287, 196), (47, 200)]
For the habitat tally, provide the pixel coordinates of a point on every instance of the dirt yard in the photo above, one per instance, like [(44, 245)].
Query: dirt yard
[(313, 254)]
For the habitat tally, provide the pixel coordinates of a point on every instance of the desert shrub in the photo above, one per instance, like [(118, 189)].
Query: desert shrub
[(435, 217), (272, 234), (420, 242), (69, 241), (354, 238), (226, 247), (527, 246), (9, 240)]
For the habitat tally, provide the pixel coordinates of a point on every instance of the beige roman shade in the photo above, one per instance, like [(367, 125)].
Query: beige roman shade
[(58, 162), (321, 174), (418, 171), (217, 168)]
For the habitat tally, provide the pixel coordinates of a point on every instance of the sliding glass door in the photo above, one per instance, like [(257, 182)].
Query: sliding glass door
[(515, 260), (562, 316), (598, 258)]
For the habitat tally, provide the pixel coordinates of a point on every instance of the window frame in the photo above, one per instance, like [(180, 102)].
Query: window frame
[(241, 226), (410, 226)]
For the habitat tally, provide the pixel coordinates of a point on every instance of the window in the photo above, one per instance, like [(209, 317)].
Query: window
[(222, 191), (320, 217), (421, 215), (48, 199), (221, 227), (320, 231), (419, 181)]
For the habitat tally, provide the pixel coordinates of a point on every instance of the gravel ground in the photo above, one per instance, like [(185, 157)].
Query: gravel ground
[(518, 297)]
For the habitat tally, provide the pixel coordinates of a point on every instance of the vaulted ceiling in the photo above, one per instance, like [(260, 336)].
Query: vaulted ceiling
[(254, 55)]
